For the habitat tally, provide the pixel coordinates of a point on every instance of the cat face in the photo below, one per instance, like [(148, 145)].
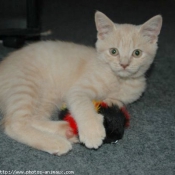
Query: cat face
[(128, 49)]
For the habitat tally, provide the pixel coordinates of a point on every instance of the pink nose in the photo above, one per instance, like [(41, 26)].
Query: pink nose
[(124, 65)]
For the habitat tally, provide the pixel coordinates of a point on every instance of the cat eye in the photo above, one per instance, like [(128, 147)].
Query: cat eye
[(137, 53), (113, 51)]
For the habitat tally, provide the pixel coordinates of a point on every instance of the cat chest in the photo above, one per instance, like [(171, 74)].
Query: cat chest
[(128, 92)]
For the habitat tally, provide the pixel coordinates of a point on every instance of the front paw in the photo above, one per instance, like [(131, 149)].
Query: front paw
[(92, 132)]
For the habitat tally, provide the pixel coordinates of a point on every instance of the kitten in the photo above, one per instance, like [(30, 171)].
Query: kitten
[(39, 78)]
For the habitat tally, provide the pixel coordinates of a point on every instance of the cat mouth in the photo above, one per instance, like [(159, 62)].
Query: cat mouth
[(126, 73)]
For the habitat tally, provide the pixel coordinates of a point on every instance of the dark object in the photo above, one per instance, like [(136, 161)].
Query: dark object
[(115, 121), (18, 21)]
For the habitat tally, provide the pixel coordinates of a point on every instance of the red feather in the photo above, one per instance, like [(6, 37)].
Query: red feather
[(127, 116), (72, 123)]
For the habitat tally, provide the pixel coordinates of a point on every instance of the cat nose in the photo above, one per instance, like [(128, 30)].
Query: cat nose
[(124, 65)]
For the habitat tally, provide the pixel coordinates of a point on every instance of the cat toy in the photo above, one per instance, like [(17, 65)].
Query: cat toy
[(115, 120)]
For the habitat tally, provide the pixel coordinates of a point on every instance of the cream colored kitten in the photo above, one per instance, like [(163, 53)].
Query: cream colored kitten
[(37, 79)]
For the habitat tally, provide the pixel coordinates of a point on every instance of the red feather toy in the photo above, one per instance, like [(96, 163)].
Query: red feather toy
[(115, 120)]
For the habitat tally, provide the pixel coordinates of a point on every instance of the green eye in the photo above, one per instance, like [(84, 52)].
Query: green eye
[(137, 53), (113, 51)]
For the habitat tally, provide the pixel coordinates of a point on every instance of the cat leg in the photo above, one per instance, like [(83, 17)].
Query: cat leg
[(21, 114), (90, 124), (22, 130), (61, 128), (42, 121)]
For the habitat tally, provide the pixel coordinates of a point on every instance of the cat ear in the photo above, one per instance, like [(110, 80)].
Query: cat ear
[(151, 28), (103, 24)]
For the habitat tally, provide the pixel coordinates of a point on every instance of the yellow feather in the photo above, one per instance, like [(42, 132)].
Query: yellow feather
[(97, 105)]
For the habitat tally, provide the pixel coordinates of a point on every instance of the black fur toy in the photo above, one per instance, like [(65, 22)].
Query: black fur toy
[(115, 120)]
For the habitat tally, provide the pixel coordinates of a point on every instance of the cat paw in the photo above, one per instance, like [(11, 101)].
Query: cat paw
[(92, 132), (66, 131), (60, 147)]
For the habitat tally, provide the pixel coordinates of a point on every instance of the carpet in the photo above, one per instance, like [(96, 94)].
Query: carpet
[(148, 145)]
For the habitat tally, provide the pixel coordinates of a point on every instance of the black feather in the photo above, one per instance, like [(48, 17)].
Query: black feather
[(114, 123)]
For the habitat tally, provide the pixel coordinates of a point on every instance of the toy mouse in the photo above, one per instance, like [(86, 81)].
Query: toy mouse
[(115, 121)]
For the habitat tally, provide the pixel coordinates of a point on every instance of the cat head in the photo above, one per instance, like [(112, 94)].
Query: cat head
[(127, 48)]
